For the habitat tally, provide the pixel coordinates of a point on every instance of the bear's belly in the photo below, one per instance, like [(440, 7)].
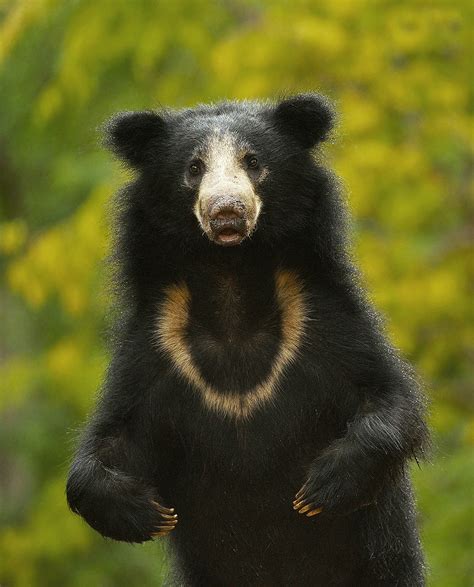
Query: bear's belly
[(234, 492), (233, 348), (249, 534)]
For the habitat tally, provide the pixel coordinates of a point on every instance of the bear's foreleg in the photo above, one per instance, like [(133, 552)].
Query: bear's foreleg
[(115, 503), (350, 472), (111, 480)]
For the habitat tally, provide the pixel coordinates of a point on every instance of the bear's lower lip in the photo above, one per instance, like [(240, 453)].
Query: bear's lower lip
[(228, 237)]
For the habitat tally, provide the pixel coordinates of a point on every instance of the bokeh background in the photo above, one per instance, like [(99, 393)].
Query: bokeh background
[(400, 74)]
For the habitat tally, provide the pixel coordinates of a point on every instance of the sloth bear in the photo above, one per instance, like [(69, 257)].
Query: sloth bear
[(253, 411)]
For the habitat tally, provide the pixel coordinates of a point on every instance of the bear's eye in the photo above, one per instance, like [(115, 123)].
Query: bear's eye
[(252, 162), (195, 168)]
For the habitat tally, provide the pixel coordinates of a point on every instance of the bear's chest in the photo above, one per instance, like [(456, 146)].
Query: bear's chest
[(233, 339)]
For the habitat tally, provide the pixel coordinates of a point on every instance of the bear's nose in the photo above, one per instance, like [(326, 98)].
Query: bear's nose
[(226, 214), (226, 208)]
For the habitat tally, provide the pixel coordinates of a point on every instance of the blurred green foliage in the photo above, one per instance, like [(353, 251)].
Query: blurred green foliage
[(399, 71)]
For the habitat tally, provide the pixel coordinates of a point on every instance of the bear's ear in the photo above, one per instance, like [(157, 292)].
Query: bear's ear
[(132, 135), (308, 118)]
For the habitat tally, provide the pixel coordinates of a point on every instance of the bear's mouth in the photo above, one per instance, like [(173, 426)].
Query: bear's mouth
[(228, 237), (228, 232)]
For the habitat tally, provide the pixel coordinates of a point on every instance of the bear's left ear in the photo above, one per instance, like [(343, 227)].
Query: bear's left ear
[(308, 118), (131, 136)]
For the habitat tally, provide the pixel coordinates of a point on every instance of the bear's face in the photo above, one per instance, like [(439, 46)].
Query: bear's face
[(226, 173), (226, 166)]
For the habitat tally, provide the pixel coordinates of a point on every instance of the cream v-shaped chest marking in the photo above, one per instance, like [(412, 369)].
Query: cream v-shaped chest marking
[(170, 336)]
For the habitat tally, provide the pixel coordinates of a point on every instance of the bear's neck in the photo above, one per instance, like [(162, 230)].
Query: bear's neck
[(231, 293)]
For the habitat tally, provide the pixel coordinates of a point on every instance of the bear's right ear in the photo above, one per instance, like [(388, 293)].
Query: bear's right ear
[(132, 135), (308, 118)]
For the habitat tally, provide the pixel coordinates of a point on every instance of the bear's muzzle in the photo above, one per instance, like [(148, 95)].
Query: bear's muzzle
[(228, 221)]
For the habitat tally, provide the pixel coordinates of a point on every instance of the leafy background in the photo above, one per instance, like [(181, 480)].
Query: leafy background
[(400, 74)]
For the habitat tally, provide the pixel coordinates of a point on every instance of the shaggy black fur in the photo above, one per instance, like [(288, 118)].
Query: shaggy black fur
[(346, 416)]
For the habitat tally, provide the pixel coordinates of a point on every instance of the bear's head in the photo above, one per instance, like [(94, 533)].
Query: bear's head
[(225, 171)]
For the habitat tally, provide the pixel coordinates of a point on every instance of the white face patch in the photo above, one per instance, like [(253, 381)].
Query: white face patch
[(226, 178)]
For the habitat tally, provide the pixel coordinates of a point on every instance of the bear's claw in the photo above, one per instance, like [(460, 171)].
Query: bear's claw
[(314, 512), (162, 509), (168, 522), (303, 506)]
